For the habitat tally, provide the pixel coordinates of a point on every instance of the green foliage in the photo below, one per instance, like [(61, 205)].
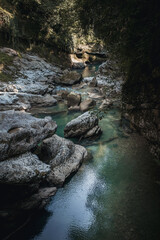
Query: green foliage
[(5, 59)]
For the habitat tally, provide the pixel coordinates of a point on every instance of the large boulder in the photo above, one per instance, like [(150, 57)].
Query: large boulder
[(25, 168), (80, 126), (20, 132), (73, 99), (63, 156), (87, 104), (69, 78), (77, 63), (24, 101)]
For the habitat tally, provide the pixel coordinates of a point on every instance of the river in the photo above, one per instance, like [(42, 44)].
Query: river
[(114, 196)]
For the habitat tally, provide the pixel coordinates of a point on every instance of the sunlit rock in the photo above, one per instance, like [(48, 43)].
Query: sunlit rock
[(79, 126)]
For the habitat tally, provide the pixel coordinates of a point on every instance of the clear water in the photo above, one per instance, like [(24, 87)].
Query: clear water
[(114, 196)]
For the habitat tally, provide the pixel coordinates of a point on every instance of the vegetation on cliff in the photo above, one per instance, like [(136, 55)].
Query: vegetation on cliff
[(131, 29)]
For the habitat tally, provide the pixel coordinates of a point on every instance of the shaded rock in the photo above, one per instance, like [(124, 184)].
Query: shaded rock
[(20, 132), (63, 156), (79, 126), (39, 199), (69, 78), (64, 94), (73, 99), (93, 82), (23, 169), (95, 131)]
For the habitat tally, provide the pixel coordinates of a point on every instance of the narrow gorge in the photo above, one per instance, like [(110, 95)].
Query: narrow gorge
[(79, 120)]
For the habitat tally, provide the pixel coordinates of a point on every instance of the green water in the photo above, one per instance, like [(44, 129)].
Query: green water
[(114, 196)]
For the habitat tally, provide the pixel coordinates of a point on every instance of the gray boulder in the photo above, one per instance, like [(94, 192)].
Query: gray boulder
[(24, 101), (80, 126), (26, 168), (69, 78), (20, 132), (73, 99), (63, 156)]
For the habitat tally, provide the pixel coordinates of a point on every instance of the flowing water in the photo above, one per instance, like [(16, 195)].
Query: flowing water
[(114, 196)]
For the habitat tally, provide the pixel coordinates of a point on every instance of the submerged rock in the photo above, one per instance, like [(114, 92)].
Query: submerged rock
[(87, 104), (63, 156), (80, 126), (106, 104), (20, 132)]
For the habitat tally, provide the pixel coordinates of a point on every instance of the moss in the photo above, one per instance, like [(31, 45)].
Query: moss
[(5, 77), (5, 59)]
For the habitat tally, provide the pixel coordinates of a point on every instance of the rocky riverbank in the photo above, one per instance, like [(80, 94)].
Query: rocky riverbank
[(35, 161)]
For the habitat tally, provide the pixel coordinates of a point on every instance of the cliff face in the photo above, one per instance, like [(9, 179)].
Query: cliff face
[(141, 107), (27, 24), (131, 30)]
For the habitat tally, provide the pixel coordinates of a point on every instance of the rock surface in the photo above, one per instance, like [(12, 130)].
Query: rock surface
[(73, 99), (20, 132), (106, 104), (63, 156), (87, 104), (24, 101), (39, 199), (69, 78), (25, 168), (79, 126)]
